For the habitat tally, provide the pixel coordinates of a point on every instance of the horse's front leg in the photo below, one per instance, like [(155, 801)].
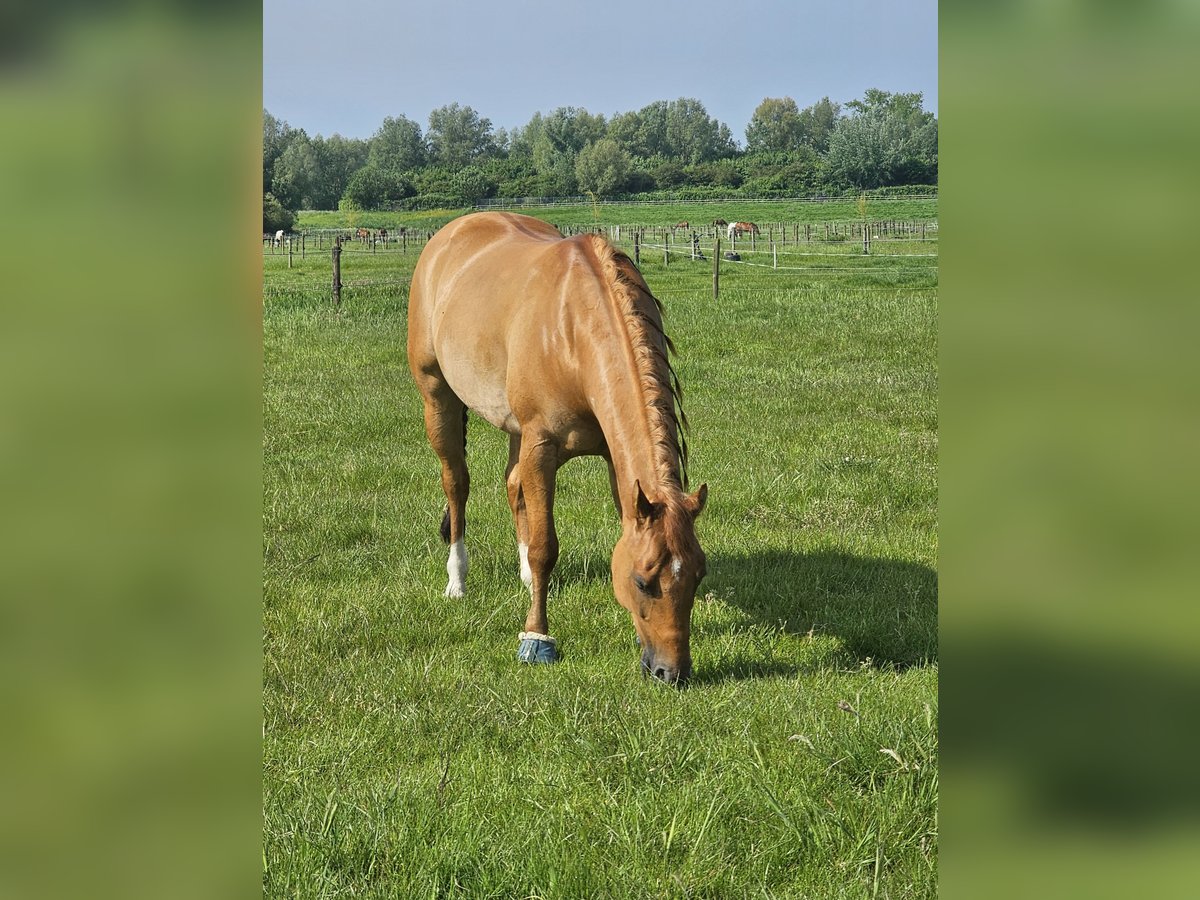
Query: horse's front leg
[(516, 502), (537, 466)]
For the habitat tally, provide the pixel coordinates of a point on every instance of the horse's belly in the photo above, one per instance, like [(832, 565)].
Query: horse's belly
[(486, 397)]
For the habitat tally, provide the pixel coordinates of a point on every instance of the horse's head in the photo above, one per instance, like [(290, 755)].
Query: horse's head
[(656, 567)]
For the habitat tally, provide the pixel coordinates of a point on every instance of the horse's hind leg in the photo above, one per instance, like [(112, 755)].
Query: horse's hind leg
[(446, 426)]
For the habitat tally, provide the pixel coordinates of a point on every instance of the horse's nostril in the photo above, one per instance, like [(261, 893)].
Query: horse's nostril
[(661, 674)]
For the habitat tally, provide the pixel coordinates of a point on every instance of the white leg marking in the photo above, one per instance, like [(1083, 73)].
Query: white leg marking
[(526, 572), (456, 568)]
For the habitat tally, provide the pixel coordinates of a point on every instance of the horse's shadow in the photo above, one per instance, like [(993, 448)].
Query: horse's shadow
[(880, 612)]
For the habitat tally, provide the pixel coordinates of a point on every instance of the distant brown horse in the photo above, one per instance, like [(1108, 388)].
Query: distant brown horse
[(680, 225), (742, 228), (362, 234), (559, 342)]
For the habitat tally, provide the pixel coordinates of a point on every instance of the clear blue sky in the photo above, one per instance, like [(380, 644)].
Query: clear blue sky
[(333, 66)]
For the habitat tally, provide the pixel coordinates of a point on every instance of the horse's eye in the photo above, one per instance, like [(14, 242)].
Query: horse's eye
[(641, 583)]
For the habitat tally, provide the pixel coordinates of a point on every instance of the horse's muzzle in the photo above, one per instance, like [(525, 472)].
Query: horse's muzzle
[(676, 675)]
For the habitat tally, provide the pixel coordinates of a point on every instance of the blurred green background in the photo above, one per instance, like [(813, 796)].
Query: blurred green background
[(130, 568), (130, 548), (1069, 441)]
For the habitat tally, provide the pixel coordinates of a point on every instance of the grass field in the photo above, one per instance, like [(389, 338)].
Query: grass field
[(407, 754), (898, 208)]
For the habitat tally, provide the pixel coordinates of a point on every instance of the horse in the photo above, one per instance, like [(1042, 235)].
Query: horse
[(719, 223), (742, 228), (559, 342), (680, 225), (279, 238), (383, 237), (363, 235)]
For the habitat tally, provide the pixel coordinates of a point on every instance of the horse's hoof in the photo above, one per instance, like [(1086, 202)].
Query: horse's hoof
[(536, 649)]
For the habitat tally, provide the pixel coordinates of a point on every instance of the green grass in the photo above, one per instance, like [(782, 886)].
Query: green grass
[(407, 754)]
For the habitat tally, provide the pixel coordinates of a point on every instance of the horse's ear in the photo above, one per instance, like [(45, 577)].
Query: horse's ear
[(696, 501), (645, 509)]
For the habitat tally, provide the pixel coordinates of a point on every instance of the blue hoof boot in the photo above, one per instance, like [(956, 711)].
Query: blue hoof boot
[(536, 649)]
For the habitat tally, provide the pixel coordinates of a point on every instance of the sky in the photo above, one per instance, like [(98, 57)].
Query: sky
[(341, 67)]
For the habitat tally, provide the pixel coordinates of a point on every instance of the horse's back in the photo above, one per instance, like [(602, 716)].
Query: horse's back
[(479, 292)]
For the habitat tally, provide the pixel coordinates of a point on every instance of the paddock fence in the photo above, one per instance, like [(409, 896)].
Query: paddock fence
[(883, 248)]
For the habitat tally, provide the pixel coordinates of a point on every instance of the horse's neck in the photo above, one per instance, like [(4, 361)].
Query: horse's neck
[(632, 434)]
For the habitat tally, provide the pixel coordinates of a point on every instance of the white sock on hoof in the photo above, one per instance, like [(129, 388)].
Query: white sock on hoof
[(456, 568), (526, 572)]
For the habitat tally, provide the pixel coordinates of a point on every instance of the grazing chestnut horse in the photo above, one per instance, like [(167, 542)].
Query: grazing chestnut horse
[(742, 228), (559, 342)]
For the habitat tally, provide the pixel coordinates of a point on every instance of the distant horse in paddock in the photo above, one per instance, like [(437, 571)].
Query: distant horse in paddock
[(680, 225), (719, 223), (742, 228), (559, 342), (362, 234), (383, 235), (279, 238)]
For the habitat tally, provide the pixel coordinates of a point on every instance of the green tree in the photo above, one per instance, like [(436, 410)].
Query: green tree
[(817, 123), (470, 185), (397, 145), (572, 128), (642, 133), (775, 125), (523, 139), (338, 158), (296, 173), (555, 169), (458, 136), (275, 216), (694, 136), (277, 134), (602, 167), (888, 139), (374, 188)]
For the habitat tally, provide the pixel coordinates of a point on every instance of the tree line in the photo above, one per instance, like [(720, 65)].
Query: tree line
[(667, 147)]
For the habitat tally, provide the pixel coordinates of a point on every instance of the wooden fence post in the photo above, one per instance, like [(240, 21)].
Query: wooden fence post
[(716, 266), (303, 235), (337, 272), (866, 238), (289, 246), (774, 256), (637, 250), (666, 248)]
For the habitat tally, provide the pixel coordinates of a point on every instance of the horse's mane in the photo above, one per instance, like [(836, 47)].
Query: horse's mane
[(652, 349)]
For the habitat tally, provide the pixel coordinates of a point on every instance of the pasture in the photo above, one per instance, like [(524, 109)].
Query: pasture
[(655, 214), (408, 754)]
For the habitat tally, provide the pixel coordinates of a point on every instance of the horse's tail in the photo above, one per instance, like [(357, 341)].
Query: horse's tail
[(446, 512)]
